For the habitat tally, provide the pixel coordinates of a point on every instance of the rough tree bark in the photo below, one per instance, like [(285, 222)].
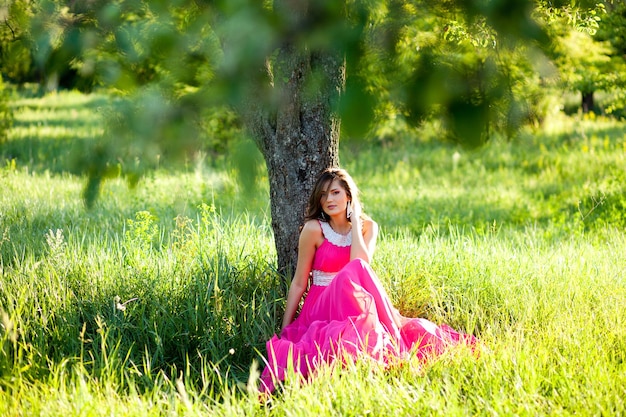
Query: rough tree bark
[(298, 134)]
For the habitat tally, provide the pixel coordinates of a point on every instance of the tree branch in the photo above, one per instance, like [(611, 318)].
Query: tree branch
[(6, 22)]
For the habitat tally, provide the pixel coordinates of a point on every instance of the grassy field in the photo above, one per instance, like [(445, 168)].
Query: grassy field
[(158, 300)]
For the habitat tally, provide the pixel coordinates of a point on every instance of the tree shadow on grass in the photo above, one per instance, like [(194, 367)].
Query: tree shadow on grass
[(210, 322), (26, 229), (55, 142), (57, 156)]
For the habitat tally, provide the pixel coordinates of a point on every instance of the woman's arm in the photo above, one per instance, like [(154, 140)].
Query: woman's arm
[(309, 241), (364, 234)]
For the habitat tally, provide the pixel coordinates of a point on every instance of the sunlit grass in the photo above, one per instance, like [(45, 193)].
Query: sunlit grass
[(159, 299), (571, 177)]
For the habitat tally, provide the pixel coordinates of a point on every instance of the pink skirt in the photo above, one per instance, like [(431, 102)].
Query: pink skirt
[(351, 318)]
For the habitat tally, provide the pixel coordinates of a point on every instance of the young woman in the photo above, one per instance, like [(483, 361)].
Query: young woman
[(346, 312)]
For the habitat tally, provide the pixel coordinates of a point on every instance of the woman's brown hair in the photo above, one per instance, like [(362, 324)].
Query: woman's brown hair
[(323, 182)]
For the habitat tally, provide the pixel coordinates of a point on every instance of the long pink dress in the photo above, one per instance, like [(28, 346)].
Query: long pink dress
[(347, 314)]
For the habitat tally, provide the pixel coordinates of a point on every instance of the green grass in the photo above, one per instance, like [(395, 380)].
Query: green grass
[(158, 300)]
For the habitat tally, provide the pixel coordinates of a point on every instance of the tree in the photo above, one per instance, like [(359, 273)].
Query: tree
[(585, 66), (587, 49), (288, 106), (612, 30), (298, 71)]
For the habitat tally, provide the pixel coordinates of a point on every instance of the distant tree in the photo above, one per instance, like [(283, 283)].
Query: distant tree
[(613, 30), (586, 66), (588, 62)]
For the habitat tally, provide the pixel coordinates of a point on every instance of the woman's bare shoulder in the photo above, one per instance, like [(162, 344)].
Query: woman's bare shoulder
[(312, 232), (312, 227)]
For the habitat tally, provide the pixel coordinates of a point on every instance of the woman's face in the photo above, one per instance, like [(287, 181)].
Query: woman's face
[(335, 199)]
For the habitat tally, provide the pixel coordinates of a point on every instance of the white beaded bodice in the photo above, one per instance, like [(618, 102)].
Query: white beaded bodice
[(335, 238)]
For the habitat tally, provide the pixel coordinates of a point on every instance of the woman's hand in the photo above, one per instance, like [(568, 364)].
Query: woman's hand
[(364, 234), (355, 218)]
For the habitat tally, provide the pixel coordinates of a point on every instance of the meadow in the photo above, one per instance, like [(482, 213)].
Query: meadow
[(159, 299)]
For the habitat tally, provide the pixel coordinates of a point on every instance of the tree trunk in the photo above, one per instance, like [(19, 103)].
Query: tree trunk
[(587, 102), (298, 134)]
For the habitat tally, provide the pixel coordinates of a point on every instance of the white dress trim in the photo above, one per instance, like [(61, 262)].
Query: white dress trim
[(335, 238), (323, 278)]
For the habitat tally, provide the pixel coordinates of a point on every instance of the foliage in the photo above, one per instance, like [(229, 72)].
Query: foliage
[(587, 65), (587, 54), (469, 63), (613, 31), (15, 41), (612, 28), (462, 72)]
